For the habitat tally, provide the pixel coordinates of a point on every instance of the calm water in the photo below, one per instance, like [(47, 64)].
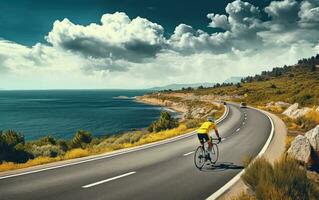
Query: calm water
[(62, 113)]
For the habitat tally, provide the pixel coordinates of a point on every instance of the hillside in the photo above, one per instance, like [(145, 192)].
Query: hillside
[(298, 83)]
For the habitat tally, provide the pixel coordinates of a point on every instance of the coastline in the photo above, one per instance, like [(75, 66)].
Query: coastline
[(156, 102), (180, 112)]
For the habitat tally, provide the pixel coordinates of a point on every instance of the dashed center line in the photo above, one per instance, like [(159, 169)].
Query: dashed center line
[(107, 180), (189, 153)]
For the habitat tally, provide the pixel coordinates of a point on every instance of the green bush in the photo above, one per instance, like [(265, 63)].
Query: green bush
[(81, 139), (46, 140), (12, 147), (48, 150), (63, 145), (285, 180), (166, 121)]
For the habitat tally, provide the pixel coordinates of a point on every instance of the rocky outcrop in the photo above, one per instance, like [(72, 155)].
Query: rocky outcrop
[(294, 111), (300, 149), (306, 148), (313, 137), (317, 110)]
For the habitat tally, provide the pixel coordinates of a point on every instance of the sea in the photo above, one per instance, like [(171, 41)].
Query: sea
[(60, 113)]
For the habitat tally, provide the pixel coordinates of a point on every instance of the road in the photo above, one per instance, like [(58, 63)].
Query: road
[(162, 172)]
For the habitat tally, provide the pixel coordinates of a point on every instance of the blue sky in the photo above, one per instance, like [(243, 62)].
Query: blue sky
[(141, 43)]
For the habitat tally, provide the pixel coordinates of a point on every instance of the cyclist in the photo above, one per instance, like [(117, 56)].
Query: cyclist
[(204, 130)]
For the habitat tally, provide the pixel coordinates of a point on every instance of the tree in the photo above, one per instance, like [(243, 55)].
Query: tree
[(166, 121), (12, 147)]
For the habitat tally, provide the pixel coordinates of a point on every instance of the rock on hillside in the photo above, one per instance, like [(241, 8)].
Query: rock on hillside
[(294, 111), (300, 149), (313, 137)]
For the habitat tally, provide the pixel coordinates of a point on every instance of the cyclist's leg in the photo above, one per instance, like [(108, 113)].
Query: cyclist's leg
[(210, 145), (209, 141), (201, 138)]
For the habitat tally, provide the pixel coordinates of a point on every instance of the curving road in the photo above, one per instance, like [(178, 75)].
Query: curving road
[(162, 172)]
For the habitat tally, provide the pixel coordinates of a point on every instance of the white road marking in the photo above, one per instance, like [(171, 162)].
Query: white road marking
[(189, 153), (108, 180)]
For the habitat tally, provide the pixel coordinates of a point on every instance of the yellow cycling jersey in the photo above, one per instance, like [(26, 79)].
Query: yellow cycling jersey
[(206, 127)]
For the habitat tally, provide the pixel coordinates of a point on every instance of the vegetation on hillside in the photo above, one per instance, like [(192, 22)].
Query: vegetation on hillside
[(297, 83)]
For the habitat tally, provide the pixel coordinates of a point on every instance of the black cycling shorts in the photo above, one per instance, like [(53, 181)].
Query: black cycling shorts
[(203, 138)]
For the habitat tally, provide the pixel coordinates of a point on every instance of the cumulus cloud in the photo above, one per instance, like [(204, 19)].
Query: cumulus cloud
[(309, 14), (117, 37), (283, 12)]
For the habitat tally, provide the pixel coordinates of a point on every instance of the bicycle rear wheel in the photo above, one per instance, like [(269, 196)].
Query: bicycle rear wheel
[(199, 157), (215, 153)]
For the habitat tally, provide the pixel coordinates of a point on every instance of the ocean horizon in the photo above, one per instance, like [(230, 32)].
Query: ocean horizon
[(60, 113)]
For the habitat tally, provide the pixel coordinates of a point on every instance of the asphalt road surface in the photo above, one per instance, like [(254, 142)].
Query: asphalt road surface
[(162, 172)]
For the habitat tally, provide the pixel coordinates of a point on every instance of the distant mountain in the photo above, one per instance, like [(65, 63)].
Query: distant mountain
[(180, 86), (233, 79)]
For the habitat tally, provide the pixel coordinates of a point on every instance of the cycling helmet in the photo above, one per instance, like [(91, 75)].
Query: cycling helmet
[(210, 119)]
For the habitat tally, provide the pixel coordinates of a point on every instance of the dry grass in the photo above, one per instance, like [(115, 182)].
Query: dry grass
[(273, 109), (243, 196), (288, 141), (6, 166), (76, 153)]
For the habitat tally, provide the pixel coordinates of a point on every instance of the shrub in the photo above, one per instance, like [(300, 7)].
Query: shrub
[(193, 123), (166, 121), (12, 147), (81, 139), (63, 145), (285, 180), (306, 123), (46, 140), (48, 150)]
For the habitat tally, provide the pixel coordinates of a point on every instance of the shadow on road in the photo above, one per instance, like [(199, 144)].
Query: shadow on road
[(221, 166)]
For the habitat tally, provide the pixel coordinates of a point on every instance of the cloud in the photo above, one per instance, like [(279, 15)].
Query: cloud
[(309, 14), (117, 37), (283, 12)]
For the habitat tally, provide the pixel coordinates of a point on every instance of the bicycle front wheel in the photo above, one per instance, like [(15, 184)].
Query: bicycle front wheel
[(215, 153), (199, 157)]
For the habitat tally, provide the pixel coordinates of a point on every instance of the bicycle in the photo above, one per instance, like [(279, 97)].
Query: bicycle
[(202, 154)]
